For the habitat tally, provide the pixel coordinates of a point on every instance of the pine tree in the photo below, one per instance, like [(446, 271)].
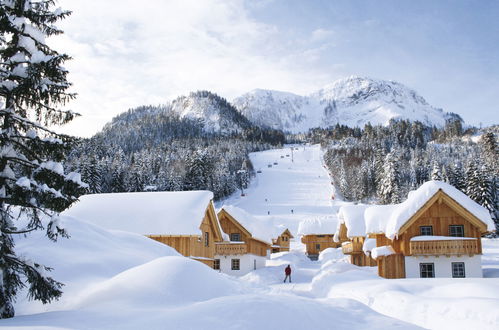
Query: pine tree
[(436, 173), (389, 187), (33, 184)]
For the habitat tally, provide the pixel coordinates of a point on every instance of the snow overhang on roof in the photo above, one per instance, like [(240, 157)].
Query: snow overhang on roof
[(324, 225), (353, 218), (146, 213)]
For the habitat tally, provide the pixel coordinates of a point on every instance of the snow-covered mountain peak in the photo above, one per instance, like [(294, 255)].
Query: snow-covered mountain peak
[(214, 112), (355, 88), (352, 101)]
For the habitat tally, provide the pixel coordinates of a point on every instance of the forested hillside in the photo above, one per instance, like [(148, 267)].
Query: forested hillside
[(161, 148), (382, 164)]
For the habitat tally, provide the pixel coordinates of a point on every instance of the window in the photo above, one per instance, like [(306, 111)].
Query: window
[(235, 237), (254, 264), (216, 264), (206, 239), (318, 247), (456, 230), (458, 269), (235, 264), (427, 270), (321, 235), (426, 230)]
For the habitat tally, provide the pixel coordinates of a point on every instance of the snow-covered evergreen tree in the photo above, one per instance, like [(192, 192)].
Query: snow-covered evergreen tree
[(389, 186), (33, 183), (436, 173)]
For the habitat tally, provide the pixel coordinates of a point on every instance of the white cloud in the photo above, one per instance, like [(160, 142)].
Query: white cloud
[(128, 53), (322, 34)]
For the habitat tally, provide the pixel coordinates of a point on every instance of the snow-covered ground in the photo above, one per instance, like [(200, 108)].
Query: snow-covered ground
[(296, 189), (118, 280)]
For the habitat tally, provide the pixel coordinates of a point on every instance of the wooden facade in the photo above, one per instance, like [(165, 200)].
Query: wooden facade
[(199, 247), (282, 242), (436, 216), (234, 229), (354, 248), (315, 244)]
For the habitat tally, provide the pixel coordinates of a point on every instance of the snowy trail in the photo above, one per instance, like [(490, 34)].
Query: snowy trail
[(297, 188)]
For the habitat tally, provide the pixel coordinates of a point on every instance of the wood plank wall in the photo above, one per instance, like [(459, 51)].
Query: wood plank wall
[(325, 241)]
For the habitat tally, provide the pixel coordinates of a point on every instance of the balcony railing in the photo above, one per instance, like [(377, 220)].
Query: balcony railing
[(351, 247), (226, 249), (445, 247)]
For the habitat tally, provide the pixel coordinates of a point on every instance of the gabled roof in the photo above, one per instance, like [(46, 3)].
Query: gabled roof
[(287, 232), (255, 228), (394, 219), (146, 213), (318, 226)]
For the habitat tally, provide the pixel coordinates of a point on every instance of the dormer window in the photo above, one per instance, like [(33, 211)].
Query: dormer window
[(235, 237), (426, 230)]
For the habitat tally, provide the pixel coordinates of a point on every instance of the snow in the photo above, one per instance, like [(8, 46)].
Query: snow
[(76, 178), (377, 217), (369, 245), (24, 182), (53, 166), (353, 218), (318, 226), (299, 183), (167, 213), (440, 238), (382, 251)]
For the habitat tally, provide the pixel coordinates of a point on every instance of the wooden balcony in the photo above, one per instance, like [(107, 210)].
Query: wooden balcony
[(351, 247), (445, 247), (225, 249)]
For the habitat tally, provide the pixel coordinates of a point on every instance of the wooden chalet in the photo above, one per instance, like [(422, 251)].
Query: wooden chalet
[(436, 232), (318, 235), (282, 242), (185, 220), (248, 245)]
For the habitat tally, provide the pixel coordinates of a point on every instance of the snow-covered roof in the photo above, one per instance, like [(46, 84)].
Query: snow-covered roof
[(369, 245), (259, 229), (353, 218), (388, 219), (382, 251), (318, 226), (167, 213), (377, 217)]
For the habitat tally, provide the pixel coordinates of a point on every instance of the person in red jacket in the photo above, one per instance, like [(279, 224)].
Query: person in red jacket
[(287, 272)]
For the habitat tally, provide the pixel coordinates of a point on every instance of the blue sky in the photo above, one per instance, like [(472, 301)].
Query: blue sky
[(128, 53)]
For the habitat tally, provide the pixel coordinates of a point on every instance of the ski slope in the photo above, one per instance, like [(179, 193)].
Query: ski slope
[(297, 188)]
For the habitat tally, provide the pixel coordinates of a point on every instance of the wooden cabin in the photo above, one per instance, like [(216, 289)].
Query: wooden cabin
[(436, 232), (184, 220), (248, 244), (351, 234), (282, 242), (317, 235)]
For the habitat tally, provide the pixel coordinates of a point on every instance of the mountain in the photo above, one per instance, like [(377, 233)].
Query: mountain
[(352, 101), (213, 112)]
